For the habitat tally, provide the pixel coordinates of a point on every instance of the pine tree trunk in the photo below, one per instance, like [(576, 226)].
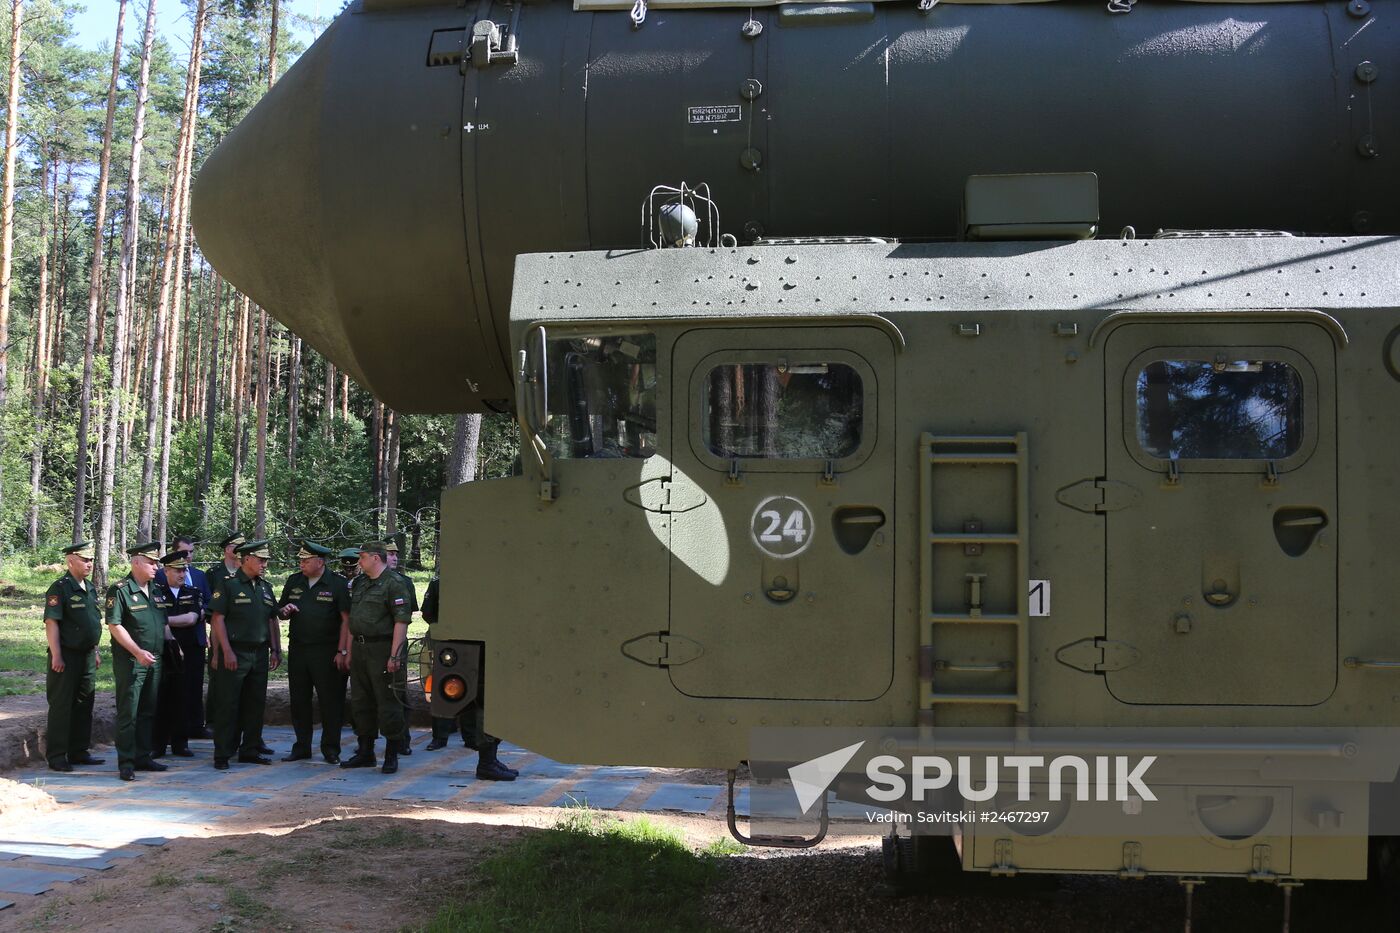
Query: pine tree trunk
[(61, 292), (461, 461), (344, 397), (293, 423), (7, 200), (41, 364), (211, 407), (238, 399), (194, 365), (391, 475), (328, 402), (172, 281), (125, 274), (376, 450), (260, 503)]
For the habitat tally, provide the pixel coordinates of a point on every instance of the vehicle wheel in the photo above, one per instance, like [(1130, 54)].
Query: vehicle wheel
[(919, 864)]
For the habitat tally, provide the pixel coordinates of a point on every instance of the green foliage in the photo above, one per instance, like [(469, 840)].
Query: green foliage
[(330, 495), (588, 873)]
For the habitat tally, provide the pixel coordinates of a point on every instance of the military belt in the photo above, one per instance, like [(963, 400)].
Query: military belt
[(362, 639), (247, 645)]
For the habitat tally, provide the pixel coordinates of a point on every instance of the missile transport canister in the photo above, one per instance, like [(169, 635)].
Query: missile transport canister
[(1027, 365), (375, 200)]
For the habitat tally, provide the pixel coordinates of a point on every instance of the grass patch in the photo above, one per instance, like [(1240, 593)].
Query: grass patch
[(723, 847), (163, 879), (590, 872), (396, 837)]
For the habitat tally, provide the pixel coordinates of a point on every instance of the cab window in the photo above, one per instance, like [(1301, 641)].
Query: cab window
[(779, 410), (601, 396), (1219, 410)]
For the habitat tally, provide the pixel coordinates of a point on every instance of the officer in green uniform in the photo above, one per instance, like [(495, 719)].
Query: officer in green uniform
[(136, 623), (318, 603), (227, 567), (391, 548), (73, 625), (243, 614), (350, 563), (470, 722), (378, 629)]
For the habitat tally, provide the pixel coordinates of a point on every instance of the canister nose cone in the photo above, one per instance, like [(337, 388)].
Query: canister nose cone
[(257, 208), (337, 205)]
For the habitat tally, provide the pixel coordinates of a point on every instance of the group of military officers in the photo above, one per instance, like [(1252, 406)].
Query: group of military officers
[(343, 627)]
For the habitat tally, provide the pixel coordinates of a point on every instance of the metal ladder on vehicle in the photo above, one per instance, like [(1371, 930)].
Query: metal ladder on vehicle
[(937, 454)]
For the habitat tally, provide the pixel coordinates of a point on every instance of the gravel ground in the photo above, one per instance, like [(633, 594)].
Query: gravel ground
[(843, 890)]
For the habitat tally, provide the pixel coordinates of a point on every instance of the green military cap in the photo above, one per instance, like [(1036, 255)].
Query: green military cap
[(177, 560), (312, 549), (150, 549), (374, 547), (255, 549), (391, 546), (234, 539), (80, 549), (350, 554)]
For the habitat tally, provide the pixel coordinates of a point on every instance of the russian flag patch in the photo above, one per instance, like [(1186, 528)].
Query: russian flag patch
[(398, 602)]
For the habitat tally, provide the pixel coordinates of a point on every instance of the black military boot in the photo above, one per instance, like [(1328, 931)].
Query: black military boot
[(490, 768), (391, 759), (363, 757)]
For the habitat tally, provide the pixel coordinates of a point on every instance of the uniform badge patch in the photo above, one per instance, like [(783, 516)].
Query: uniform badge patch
[(111, 601), (398, 602), (54, 600)]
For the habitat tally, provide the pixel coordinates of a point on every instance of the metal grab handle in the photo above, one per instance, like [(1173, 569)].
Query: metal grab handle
[(1375, 664)]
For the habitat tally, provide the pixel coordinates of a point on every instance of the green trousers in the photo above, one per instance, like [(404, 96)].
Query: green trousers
[(373, 702), (137, 690), (70, 706), (312, 668), (236, 702)]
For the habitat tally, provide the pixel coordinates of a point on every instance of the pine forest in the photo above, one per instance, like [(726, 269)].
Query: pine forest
[(141, 395)]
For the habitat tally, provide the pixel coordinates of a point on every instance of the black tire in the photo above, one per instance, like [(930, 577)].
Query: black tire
[(920, 864)]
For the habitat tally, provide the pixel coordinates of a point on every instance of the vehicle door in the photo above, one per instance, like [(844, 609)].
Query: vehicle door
[(1222, 564), (782, 557)]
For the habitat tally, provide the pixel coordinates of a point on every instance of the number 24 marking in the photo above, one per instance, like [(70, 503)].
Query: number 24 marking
[(793, 528)]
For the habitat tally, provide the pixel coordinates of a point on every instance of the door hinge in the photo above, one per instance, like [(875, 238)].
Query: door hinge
[(663, 495), (1132, 862), (1002, 866), (492, 44), (662, 649), (1097, 655), (1098, 496), (1261, 864)]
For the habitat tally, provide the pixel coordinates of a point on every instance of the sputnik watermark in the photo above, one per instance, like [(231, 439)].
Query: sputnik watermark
[(894, 779), (933, 772)]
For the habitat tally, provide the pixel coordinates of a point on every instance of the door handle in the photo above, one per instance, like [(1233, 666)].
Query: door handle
[(1375, 664)]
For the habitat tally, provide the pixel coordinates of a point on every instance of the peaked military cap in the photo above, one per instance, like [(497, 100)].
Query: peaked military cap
[(177, 560), (80, 549), (234, 539), (374, 547), (391, 546), (350, 554), (150, 549), (254, 549), (312, 549)]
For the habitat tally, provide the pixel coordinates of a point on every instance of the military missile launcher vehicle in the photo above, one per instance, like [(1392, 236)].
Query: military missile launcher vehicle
[(978, 304)]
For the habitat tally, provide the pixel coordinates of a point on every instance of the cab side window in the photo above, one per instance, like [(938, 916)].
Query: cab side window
[(778, 410), (601, 396), (1219, 410)]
